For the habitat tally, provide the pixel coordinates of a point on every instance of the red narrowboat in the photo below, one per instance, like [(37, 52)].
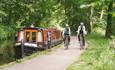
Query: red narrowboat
[(37, 37)]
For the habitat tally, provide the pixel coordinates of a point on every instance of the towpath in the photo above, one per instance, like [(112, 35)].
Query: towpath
[(56, 60)]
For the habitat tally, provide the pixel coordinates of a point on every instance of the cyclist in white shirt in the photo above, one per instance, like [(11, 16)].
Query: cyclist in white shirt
[(81, 30)]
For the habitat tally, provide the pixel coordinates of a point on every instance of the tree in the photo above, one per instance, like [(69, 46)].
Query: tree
[(90, 23), (109, 20)]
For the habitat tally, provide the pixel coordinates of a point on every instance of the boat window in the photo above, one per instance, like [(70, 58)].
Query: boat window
[(33, 36), (21, 35), (27, 36), (39, 37)]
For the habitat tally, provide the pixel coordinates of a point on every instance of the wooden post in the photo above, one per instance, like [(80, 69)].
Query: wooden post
[(22, 48)]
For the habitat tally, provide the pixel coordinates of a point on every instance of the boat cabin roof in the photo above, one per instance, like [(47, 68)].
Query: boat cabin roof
[(36, 28)]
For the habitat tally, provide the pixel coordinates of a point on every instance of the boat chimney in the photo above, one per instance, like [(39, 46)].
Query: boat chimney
[(32, 25)]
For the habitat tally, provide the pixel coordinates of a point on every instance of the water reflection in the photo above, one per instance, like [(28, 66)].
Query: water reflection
[(6, 51)]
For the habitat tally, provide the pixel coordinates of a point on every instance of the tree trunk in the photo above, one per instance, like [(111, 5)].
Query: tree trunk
[(90, 24), (109, 21)]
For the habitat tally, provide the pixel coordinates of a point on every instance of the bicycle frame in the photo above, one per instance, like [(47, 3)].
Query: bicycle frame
[(66, 43), (81, 41)]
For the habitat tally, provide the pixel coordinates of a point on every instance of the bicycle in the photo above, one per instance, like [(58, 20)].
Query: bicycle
[(81, 41), (66, 41)]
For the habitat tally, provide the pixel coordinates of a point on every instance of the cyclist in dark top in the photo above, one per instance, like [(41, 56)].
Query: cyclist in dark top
[(81, 30), (67, 31)]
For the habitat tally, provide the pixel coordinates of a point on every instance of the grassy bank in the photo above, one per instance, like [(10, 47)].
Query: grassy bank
[(97, 56), (6, 51)]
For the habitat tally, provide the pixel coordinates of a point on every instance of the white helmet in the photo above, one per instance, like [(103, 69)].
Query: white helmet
[(81, 23), (66, 25)]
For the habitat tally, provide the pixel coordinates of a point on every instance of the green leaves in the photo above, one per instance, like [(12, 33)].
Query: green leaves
[(2, 13), (112, 13), (45, 13)]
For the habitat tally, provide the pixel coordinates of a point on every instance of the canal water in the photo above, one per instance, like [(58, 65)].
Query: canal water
[(6, 51)]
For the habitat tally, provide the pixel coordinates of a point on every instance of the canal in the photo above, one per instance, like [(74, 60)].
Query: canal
[(6, 51)]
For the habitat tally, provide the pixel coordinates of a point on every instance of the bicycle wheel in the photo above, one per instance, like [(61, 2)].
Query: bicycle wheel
[(81, 41), (66, 42)]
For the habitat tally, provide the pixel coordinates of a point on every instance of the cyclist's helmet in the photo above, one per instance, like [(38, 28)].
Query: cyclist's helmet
[(81, 23), (66, 25)]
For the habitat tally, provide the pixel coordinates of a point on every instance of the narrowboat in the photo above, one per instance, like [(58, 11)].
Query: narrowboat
[(35, 37)]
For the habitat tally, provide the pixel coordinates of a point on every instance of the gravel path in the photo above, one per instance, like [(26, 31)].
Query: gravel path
[(56, 60)]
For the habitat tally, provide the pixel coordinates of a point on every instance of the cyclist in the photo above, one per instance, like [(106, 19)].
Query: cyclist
[(81, 31), (67, 32)]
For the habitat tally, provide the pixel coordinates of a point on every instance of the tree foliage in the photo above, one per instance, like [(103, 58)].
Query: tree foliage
[(48, 13)]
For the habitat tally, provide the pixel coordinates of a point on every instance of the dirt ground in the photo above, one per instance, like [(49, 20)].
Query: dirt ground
[(56, 60)]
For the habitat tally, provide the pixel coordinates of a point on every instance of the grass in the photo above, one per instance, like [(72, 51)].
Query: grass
[(37, 54), (97, 56)]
